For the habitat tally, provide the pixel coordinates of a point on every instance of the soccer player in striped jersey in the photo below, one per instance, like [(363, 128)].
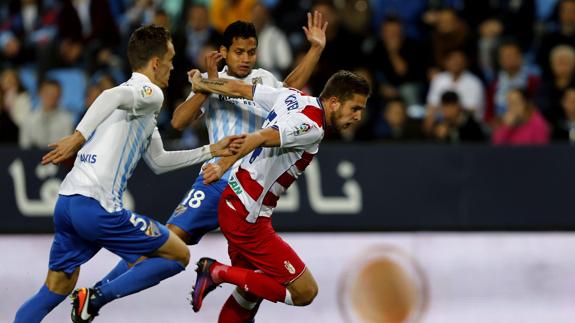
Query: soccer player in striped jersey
[(117, 130), (197, 213), (262, 263)]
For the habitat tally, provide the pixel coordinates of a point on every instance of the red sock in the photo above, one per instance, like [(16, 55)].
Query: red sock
[(233, 312), (256, 283)]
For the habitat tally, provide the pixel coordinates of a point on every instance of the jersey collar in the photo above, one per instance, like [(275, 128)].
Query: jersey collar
[(140, 76), (322, 109)]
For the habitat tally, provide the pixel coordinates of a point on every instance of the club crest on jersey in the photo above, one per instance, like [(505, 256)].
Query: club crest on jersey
[(180, 209), (301, 129), (257, 80), (146, 91), (153, 230), (290, 268)]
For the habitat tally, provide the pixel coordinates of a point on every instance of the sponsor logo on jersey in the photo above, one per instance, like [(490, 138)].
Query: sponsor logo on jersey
[(290, 268), (291, 102), (146, 91), (88, 158), (235, 185), (257, 80), (301, 129)]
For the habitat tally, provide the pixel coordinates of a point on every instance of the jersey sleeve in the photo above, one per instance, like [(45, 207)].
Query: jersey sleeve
[(148, 99), (297, 130), (266, 96), (119, 97)]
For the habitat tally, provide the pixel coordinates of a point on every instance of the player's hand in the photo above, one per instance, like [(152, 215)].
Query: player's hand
[(227, 146), (315, 30), (212, 172), (194, 77), (212, 60), (64, 148)]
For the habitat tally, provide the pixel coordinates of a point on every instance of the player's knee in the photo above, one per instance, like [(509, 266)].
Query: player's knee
[(306, 295), (184, 256)]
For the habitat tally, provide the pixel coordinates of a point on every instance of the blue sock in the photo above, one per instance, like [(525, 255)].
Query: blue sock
[(38, 306), (120, 268), (145, 274)]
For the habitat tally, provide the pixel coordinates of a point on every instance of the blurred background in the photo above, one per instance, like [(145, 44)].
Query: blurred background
[(450, 202)]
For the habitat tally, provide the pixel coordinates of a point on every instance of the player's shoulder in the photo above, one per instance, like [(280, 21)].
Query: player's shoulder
[(147, 92), (262, 76)]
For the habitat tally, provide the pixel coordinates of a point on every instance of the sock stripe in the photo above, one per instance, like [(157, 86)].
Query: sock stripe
[(248, 305)]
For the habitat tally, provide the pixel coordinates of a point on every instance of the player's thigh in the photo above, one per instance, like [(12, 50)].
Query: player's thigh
[(70, 249), (131, 236), (197, 213), (303, 289)]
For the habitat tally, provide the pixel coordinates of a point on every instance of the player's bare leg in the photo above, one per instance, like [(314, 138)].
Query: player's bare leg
[(60, 282), (186, 238), (304, 289)]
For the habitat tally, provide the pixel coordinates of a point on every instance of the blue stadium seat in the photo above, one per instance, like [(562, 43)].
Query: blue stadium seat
[(73, 82)]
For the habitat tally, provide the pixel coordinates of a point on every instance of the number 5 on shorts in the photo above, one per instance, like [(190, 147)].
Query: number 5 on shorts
[(137, 220), (194, 198)]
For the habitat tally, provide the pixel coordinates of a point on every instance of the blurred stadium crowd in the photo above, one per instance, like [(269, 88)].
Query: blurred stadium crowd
[(450, 71)]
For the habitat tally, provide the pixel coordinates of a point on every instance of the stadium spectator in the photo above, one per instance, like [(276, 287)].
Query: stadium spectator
[(274, 52), (562, 76), (564, 35), (90, 24), (47, 123), (458, 79), (514, 74), (393, 124), (342, 50), (224, 12), (30, 27), (522, 123), (490, 32), (397, 64), (448, 33), (456, 124), (17, 102), (8, 129), (565, 129)]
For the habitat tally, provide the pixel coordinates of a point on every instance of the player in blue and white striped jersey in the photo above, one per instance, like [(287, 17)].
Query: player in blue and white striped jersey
[(197, 212), (120, 127)]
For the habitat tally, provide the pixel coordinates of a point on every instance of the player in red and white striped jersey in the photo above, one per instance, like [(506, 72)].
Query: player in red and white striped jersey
[(263, 265)]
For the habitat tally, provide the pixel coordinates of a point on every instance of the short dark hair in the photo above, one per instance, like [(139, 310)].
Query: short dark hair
[(238, 29), (449, 97), (343, 85), (145, 43)]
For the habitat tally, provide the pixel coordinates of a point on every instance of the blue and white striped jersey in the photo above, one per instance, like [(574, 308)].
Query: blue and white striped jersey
[(226, 116), (112, 151)]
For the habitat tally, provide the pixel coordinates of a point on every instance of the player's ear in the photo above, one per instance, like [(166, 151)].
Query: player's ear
[(224, 51), (155, 63), (333, 103)]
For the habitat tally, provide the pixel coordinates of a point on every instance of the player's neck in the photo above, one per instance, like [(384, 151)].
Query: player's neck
[(148, 73)]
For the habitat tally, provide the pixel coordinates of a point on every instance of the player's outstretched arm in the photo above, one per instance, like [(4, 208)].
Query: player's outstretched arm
[(268, 137), (191, 109), (161, 161), (315, 34), (227, 87)]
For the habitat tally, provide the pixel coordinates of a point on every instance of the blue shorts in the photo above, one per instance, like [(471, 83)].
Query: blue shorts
[(197, 213), (83, 227)]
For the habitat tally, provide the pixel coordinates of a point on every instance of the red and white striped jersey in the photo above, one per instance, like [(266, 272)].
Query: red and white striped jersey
[(268, 171)]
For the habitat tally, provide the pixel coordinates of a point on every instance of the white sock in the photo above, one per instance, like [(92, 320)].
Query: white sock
[(242, 301), (288, 300)]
